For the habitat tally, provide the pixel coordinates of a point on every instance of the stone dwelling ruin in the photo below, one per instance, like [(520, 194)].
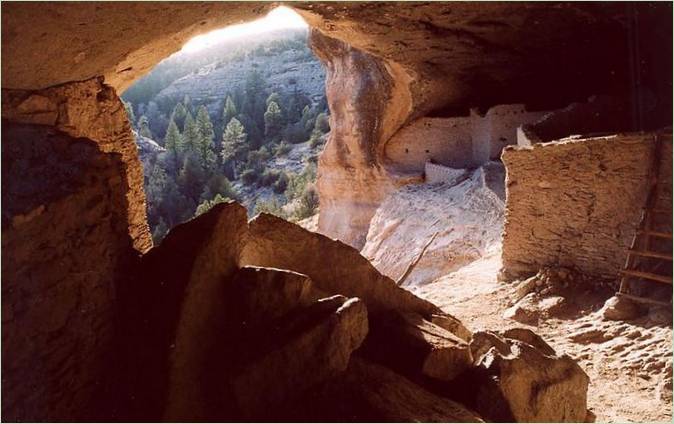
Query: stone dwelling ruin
[(458, 142), (99, 324)]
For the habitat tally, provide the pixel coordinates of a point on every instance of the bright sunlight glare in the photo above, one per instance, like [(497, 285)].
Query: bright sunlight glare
[(279, 18)]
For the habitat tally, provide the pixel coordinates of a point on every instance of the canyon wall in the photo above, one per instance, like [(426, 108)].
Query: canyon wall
[(576, 203)]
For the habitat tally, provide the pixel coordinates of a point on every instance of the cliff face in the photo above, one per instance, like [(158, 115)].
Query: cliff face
[(421, 232), (288, 70), (367, 105)]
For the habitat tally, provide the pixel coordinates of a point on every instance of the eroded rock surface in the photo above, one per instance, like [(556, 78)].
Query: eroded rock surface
[(369, 392), (59, 298), (522, 379), (73, 226), (424, 231)]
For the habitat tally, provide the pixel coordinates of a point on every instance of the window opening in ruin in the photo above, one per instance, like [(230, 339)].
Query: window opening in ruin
[(239, 113)]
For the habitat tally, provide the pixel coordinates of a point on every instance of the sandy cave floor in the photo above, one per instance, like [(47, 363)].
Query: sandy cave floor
[(625, 361)]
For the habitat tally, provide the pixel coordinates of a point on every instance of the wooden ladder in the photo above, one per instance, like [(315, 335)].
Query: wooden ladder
[(641, 246)]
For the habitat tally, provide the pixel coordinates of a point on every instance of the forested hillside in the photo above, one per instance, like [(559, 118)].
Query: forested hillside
[(240, 120)]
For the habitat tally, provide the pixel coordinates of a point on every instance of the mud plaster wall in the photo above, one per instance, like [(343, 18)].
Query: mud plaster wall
[(457, 142), (575, 203)]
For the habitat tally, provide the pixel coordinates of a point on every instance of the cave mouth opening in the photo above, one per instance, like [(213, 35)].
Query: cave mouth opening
[(240, 113)]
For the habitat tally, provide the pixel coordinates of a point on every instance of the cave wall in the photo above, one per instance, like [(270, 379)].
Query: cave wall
[(64, 241), (65, 64), (600, 114), (73, 224), (576, 203)]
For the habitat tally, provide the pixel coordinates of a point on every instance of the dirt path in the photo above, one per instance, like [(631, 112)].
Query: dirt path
[(626, 362)]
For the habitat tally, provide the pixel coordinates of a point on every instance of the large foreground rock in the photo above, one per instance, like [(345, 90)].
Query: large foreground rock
[(334, 267), (518, 377), (253, 321), (369, 392), (306, 348), (210, 278), (417, 348)]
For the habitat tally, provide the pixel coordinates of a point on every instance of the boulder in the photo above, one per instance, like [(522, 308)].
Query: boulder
[(265, 294), (416, 347), (525, 287), (529, 337), (334, 267), (369, 392), (306, 348), (619, 308), (522, 382), (524, 311), (453, 325)]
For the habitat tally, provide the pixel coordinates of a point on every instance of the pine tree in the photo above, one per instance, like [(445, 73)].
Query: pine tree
[(208, 204), (274, 97), (173, 141), (256, 95), (204, 146), (255, 134), (187, 103), (229, 111), (218, 184), (234, 147), (178, 115), (308, 119), (159, 232), (273, 121), (191, 178), (174, 145), (322, 123), (190, 133)]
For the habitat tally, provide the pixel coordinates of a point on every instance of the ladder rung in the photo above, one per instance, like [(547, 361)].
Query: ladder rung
[(651, 254), (644, 299), (647, 275), (655, 233)]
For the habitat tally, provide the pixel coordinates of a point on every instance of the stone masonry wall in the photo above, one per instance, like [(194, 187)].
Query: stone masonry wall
[(435, 173), (458, 142), (575, 203), (447, 141)]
